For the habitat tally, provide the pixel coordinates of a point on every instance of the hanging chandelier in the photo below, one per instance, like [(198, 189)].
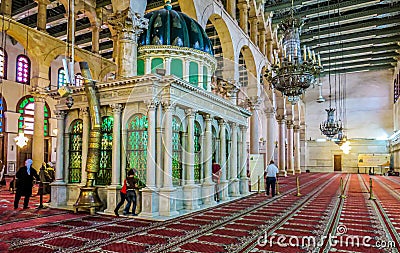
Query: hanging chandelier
[(292, 73), (330, 127)]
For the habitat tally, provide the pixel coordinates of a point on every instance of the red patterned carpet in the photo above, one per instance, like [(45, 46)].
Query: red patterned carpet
[(252, 224)]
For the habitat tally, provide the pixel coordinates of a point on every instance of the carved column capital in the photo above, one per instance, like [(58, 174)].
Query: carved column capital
[(152, 104), (117, 108), (296, 128), (190, 112), (168, 105), (289, 124), (281, 119), (60, 114), (85, 111), (128, 25)]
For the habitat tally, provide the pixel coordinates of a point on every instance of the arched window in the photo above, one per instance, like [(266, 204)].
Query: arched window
[(105, 171), (3, 64), (197, 152), (194, 73), (62, 80), (176, 151), (137, 145), (78, 79), (23, 69), (75, 152), (26, 107)]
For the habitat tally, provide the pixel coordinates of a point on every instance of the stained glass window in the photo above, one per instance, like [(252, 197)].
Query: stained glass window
[(78, 79), (137, 145), (2, 110), (197, 152), (104, 174), (3, 64), (176, 152), (75, 152), (62, 80), (26, 108), (23, 69)]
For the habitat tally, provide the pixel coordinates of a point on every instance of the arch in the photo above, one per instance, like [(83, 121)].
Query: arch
[(136, 147), (104, 174), (3, 63), (188, 8), (75, 151), (23, 69), (224, 35), (26, 108), (177, 151)]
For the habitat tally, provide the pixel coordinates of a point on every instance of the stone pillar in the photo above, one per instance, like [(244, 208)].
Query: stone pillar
[(223, 162), (186, 69), (150, 200), (159, 132), (281, 144), (255, 122), (244, 180), (59, 187), (128, 27), (113, 189), (167, 197), (244, 13), (254, 30), (95, 38), (42, 15), (262, 42), (234, 181), (85, 142), (296, 147), (270, 115), (269, 50), (38, 131), (290, 165), (190, 190), (208, 189), (6, 7), (231, 8), (168, 66)]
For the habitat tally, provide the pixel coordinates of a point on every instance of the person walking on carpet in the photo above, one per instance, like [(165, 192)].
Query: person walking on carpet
[(216, 175), (131, 186), (24, 183), (122, 193), (271, 173)]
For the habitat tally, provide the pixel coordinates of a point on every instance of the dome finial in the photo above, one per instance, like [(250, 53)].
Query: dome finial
[(168, 5)]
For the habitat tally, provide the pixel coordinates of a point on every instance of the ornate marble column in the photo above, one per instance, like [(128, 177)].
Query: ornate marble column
[(38, 131), (128, 26), (234, 181), (254, 30), (290, 165), (115, 187), (296, 129), (190, 190), (223, 162), (150, 200), (42, 15), (85, 142), (208, 189), (262, 41), (244, 15), (270, 117), (281, 144), (159, 147), (269, 50), (167, 197), (231, 8), (255, 122), (244, 180), (59, 187)]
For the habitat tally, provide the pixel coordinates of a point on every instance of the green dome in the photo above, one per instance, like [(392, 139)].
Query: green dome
[(169, 27)]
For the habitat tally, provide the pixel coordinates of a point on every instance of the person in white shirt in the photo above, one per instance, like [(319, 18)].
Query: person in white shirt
[(271, 173)]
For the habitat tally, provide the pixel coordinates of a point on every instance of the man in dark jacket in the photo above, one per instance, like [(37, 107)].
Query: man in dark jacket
[(25, 176)]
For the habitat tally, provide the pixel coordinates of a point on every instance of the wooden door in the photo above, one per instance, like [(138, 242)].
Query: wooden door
[(337, 162)]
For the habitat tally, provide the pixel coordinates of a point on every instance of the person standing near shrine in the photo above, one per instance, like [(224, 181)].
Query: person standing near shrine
[(25, 176), (122, 200), (216, 176), (131, 186), (271, 173)]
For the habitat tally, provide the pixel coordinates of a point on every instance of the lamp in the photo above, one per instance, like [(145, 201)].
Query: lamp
[(330, 127), (292, 73)]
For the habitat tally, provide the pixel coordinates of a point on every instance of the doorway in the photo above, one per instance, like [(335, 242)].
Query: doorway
[(337, 162)]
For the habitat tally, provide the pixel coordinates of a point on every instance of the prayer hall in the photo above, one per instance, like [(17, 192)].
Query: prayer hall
[(199, 126)]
